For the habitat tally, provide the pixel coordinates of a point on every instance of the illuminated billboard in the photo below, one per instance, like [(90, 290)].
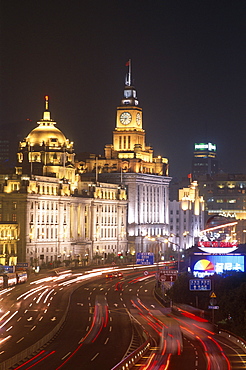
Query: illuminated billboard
[(202, 266), (205, 146)]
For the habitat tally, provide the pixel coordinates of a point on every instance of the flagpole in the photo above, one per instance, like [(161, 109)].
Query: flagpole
[(130, 73), (96, 171)]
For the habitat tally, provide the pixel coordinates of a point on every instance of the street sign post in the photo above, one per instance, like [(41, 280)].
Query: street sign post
[(213, 306), (168, 275)]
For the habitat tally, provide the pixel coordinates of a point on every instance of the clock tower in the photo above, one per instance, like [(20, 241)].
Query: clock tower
[(128, 131), (129, 161)]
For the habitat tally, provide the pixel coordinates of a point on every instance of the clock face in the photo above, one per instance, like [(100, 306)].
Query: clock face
[(138, 118), (125, 118)]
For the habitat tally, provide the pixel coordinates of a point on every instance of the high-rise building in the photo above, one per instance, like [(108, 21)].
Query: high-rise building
[(225, 195), (131, 162), (10, 135), (204, 160)]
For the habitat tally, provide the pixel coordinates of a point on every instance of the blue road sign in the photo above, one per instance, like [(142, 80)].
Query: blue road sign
[(8, 268), (145, 259), (22, 264), (200, 284)]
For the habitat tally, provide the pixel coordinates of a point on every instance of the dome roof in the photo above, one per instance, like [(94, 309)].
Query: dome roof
[(45, 133)]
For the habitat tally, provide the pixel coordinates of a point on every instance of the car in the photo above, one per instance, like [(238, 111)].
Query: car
[(111, 275)]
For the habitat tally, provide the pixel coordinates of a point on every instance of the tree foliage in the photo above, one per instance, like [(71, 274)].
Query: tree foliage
[(230, 291)]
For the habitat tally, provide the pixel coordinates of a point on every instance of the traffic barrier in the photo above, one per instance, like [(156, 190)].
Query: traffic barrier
[(130, 361), (233, 338)]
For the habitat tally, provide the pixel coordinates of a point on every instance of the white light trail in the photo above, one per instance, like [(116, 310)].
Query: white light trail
[(52, 290), (6, 321)]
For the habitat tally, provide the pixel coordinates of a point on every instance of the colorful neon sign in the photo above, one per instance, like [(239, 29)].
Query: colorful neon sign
[(217, 244), (210, 265), (217, 247)]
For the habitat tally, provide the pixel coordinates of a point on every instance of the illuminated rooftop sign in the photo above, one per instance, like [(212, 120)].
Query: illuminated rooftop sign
[(202, 146), (216, 247)]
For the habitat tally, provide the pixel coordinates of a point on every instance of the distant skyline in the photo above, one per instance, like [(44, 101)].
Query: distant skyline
[(188, 65)]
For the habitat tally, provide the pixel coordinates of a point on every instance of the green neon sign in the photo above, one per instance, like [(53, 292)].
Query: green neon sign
[(202, 146)]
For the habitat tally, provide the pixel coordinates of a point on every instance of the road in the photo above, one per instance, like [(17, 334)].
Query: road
[(108, 319)]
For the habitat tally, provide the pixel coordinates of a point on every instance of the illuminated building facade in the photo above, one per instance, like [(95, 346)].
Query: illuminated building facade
[(48, 214), (131, 162), (187, 217), (204, 160)]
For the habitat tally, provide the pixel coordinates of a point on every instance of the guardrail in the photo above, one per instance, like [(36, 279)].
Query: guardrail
[(233, 338), (130, 361)]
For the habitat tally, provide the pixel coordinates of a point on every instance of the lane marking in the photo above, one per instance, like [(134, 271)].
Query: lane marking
[(18, 341), (93, 358), (63, 358)]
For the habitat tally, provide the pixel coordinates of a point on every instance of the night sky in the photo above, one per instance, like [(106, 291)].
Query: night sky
[(188, 62)]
